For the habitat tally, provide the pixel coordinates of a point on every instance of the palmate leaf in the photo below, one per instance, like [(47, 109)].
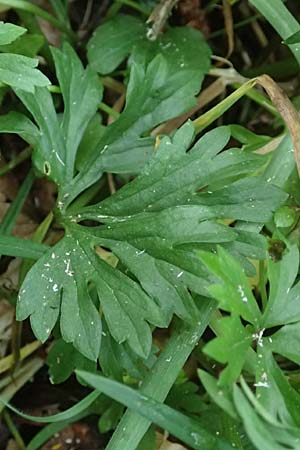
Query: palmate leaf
[(152, 224)]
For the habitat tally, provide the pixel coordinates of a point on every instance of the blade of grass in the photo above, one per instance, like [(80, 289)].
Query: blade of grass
[(13, 246), (14, 430), (281, 19), (11, 215), (186, 429), (158, 383), (50, 430), (60, 417)]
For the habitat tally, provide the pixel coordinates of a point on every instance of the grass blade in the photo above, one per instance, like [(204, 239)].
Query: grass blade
[(281, 19), (13, 246), (133, 426), (183, 427)]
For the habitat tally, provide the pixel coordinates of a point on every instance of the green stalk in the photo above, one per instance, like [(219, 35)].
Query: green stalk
[(14, 210), (14, 431), (158, 383), (109, 111), (281, 19), (236, 26), (260, 99), (210, 116), (32, 8)]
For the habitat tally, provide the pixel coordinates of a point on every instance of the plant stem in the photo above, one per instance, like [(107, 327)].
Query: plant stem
[(14, 431), (158, 383), (16, 161), (7, 362), (210, 116), (113, 84), (108, 110), (281, 19), (30, 7), (12, 213), (260, 99), (236, 26)]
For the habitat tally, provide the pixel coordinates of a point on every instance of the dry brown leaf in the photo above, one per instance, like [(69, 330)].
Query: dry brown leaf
[(228, 22), (287, 110)]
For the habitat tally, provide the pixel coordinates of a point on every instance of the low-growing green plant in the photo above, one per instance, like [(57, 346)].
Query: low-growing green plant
[(203, 232)]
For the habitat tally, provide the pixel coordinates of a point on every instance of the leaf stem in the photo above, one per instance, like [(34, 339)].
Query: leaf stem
[(157, 384)]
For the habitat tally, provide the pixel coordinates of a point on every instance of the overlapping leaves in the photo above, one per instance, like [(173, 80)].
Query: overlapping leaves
[(17, 70), (235, 296), (123, 146), (152, 225)]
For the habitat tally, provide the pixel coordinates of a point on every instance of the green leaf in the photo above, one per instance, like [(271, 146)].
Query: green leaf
[(63, 136), (230, 347), (185, 50), (273, 389), (222, 396), (110, 417), (20, 72), (285, 217), (113, 41), (234, 294), (17, 123), (62, 275), (283, 306), (182, 427), (10, 32), (152, 224), (28, 45), (63, 359), (62, 416), (82, 94), (13, 246), (286, 342), (156, 92), (265, 436)]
